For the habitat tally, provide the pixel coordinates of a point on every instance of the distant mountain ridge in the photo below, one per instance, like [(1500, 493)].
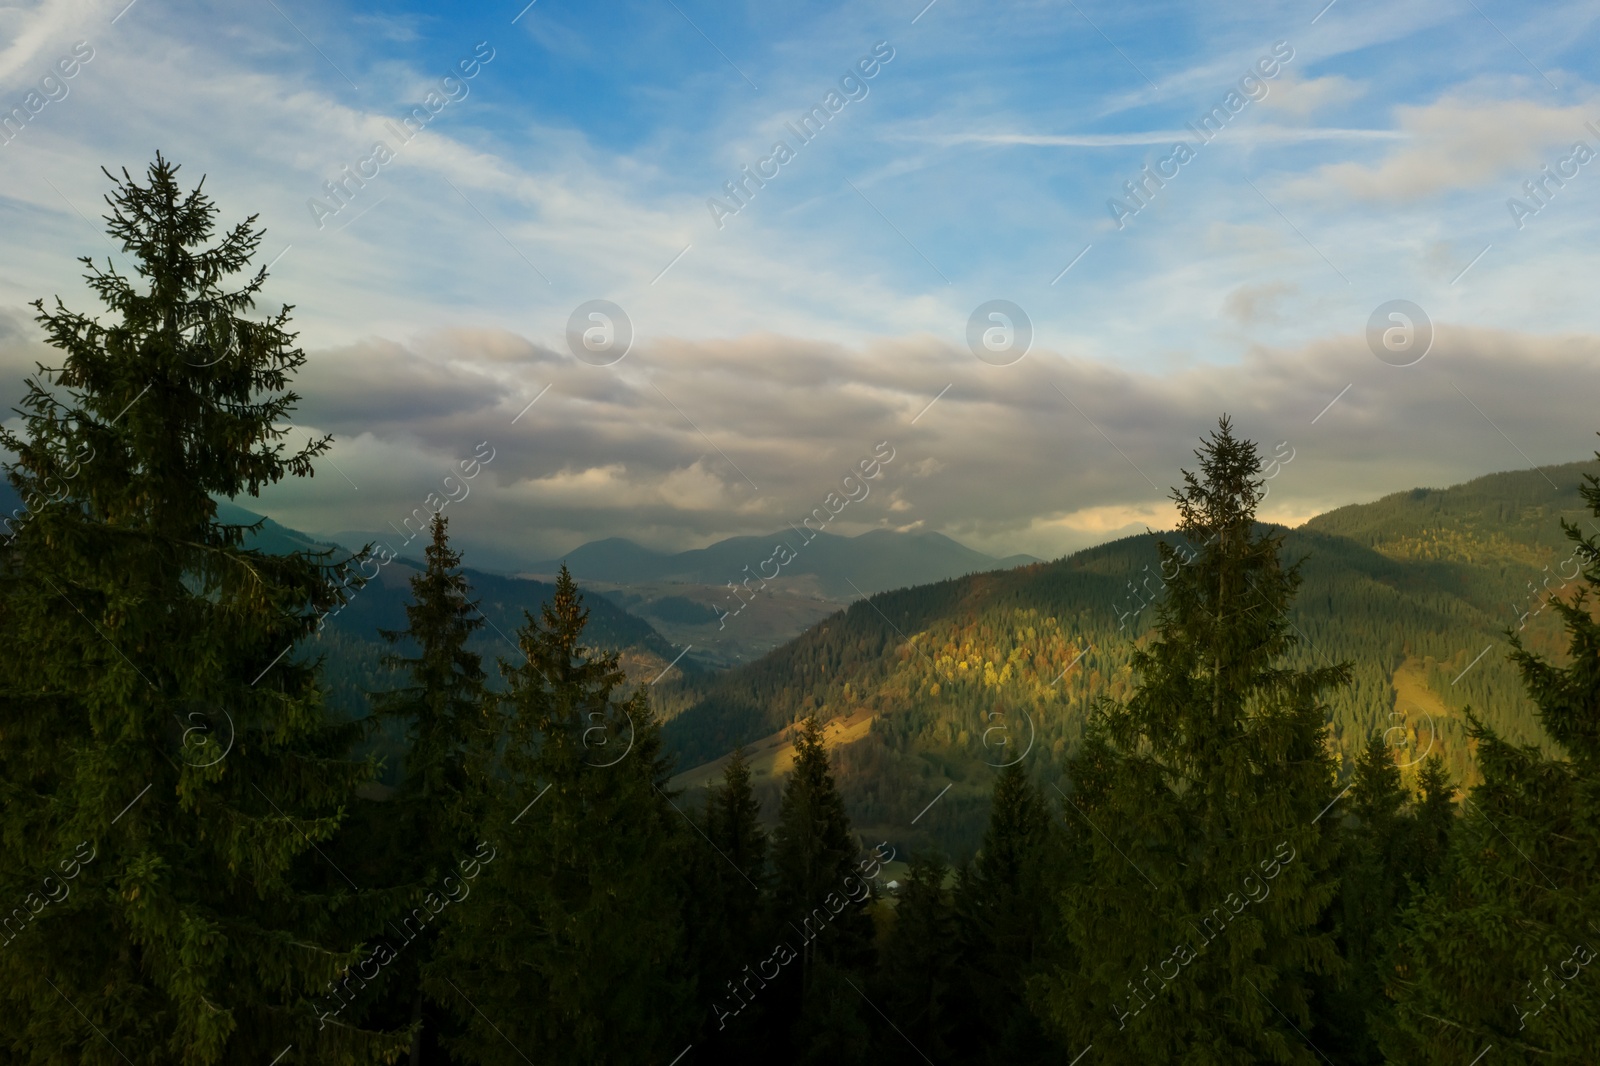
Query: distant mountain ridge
[(940, 683), (844, 567)]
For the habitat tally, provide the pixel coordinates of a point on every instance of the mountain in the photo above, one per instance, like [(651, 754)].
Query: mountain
[(938, 684), (840, 567), (737, 599), (273, 538)]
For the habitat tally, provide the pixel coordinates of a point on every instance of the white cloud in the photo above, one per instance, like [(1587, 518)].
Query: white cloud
[(1256, 134), (1298, 96), (1456, 143)]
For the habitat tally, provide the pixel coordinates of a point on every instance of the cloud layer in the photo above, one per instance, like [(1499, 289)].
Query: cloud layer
[(684, 442)]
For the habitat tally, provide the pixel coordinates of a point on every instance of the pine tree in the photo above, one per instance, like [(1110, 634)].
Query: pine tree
[(441, 709), (1200, 866), (429, 827), (820, 893), (920, 981), (728, 917), (157, 736), (1500, 949), (1005, 918), (1378, 856), (569, 948), (1435, 818)]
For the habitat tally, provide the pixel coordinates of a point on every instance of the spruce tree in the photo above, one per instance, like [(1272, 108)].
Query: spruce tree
[(1005, 913), (1502, 947), (158, 736), (919, 985), (820, 896), (1377, 860), (440, 710), (837, 1025), (1190, 914), (733, 825), (1435, 818), (816, 855), (728, 917), (569, 948), (429, 826)]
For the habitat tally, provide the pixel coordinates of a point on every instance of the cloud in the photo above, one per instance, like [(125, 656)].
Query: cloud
[(382, 386), (1257, 134), (50, 24), (1455, 143), (1252, 304), (1298, 96), (659, 447)]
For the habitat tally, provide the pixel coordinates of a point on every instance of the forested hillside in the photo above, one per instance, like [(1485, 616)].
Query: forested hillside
[(961, 676)]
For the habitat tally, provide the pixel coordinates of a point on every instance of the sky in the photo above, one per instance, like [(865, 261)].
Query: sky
[(908, 170)]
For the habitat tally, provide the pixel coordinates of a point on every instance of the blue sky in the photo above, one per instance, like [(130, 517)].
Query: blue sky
[(1375, 164)]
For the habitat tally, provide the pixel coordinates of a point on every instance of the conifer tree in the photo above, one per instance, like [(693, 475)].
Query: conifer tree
[(1502, 947), (728, 917), (818, 896), (429, 827), (441, 709), (919, 983), (1005, 915), (1436, 818), (157, 735), (815, 853), (569, 948), (837, 1026), (733, 824), (1190, 921), (1378, 858)]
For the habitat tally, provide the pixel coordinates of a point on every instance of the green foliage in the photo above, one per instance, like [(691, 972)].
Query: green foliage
[(420, 837), (1393, 846), (920, 982), (815, 856), (816, 875), (729, 926), (1496, 951), (570, 948), (1005, 913), (182, 813), (148, 705), (836, 1021), (441, 710), (1181, 942)]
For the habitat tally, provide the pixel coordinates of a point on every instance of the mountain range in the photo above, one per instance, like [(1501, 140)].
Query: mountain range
[(927, 687), (930, 689), (732, 602), (841, 567)]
